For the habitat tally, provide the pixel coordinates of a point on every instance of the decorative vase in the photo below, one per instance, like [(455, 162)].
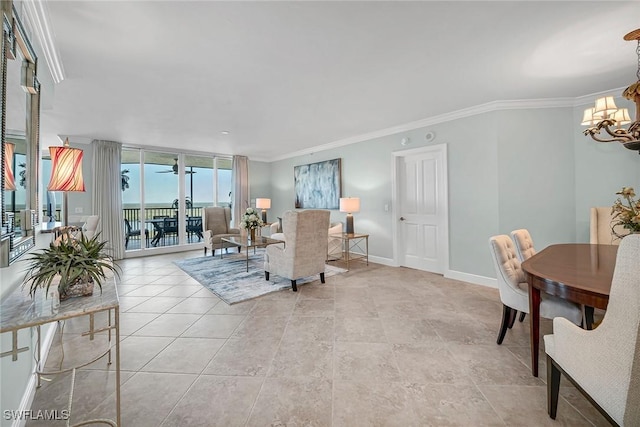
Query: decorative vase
[(253, 234), (78, 289)]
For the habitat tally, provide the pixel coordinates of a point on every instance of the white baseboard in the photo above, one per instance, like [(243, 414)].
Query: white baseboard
[(30, 390), (384, 261), (472, 278)]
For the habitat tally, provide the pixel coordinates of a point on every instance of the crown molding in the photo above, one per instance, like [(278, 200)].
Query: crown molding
[(519, 104), (590, 98), (37, 13)]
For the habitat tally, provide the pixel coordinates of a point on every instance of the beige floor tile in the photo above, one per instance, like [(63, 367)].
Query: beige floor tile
[(149, 290), (181, 291), (303, 359), (194, 306), (156, 304), (131, 322), (216, 401), (307, 328), (527, 406), (409, 331), (430, 363), (243, 357), (213, 326), (240, 308), (135, 352), (360, 329), (365, 361), (293, 402), (314, 307), (168, 325), (265, 327), (127, 303), (185, 355)]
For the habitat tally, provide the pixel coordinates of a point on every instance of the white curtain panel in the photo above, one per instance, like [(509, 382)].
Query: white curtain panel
[(107, 194), (240, 185)]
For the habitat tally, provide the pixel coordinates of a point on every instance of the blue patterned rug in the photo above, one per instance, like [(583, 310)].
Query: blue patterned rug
[(228, 277)]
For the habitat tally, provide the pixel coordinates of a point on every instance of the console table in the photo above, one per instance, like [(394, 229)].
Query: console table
[(20, 311), (353, 241)]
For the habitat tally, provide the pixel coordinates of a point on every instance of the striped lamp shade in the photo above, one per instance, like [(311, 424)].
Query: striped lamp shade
[(66, 169), (9, 179)]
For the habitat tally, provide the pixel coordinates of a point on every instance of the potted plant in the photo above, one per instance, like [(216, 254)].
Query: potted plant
[(76, 262), (626, 212), (251, 221)]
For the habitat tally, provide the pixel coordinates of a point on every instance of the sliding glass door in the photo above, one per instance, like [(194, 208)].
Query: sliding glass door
[(164, 195)]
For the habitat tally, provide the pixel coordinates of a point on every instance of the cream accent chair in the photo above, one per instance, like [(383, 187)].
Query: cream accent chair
[(216, 224), (514, 290), (604, 363), (305, 248), (600, 227), (90, 226), (334, 244)]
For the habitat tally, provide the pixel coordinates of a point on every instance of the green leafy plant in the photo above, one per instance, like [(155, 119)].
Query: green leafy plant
[(72, 259)]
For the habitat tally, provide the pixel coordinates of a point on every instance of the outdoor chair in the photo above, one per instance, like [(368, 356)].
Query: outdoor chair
[(130, 232), (194, 226)]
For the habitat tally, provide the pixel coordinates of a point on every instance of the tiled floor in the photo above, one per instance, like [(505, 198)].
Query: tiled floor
[(376, 346)]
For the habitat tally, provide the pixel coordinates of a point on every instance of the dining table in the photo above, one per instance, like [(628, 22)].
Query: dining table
[(577, 272)]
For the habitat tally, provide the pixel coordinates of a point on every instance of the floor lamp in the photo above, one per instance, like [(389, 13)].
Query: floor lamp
[(66, 173), (350, 205)]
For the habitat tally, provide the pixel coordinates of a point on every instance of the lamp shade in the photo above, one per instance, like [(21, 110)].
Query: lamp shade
[(66, 169), (263, 203), (350, 204), (621, 116), (605, 105), (590, 117), (9, 179)]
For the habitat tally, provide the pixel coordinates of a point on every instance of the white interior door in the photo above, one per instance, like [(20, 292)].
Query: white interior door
[(422, 210)]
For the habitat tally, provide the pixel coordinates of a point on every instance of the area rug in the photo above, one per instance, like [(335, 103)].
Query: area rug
[(229, 280)]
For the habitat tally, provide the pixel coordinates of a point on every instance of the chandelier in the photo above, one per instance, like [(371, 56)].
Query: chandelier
[(605, 115)]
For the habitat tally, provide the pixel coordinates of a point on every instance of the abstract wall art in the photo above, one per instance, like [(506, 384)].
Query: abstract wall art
[(317, 185)]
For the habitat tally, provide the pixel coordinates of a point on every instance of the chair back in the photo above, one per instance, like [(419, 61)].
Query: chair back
[(170, 225), (620, 326), (306, 233), (127, 226), (600, 231), (523, 243), (217, 219), (511, 280)]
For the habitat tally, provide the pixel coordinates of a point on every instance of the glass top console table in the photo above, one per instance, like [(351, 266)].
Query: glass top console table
[(20, 311)]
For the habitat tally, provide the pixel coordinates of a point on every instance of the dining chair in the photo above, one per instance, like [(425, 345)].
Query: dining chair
[(131, 232), (603, 363), (600, 230), (194, 226), (170, 228), (514, 290), (523, 243)]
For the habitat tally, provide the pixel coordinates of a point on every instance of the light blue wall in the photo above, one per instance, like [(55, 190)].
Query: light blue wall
[(260, 183), (529, 168)]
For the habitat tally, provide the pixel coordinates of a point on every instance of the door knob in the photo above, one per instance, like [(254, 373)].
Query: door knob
[(401, 218)]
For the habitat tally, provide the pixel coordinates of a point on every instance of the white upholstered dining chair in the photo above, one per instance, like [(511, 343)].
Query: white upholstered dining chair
[(523, 243), (600, 231), (514, 290), (605, 362)]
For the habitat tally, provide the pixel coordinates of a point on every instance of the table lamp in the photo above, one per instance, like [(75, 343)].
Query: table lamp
[(66, 173), (349, 205), (263, 204)]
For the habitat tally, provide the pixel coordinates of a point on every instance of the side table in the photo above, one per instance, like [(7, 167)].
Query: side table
[(20, 311), (351, 242)]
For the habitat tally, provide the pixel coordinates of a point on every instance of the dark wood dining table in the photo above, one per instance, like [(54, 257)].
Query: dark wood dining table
[(577, 272)]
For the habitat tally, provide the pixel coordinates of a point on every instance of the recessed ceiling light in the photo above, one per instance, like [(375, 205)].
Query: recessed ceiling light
[(225, 132)]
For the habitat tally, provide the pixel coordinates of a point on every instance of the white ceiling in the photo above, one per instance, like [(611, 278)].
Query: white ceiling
[(287, 76)]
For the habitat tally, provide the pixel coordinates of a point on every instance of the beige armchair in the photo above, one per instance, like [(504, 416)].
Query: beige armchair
[(334, 244), (304, 252), (216, 224), (604, 363)]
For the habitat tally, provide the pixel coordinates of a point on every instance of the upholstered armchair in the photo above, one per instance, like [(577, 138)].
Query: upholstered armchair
[(514, 290), (605, 362), (90, 226), (216, 224), (304, 252), (334, 244)]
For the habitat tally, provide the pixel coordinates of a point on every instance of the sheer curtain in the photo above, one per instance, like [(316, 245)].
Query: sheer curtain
[(240, 185), (107, 196)]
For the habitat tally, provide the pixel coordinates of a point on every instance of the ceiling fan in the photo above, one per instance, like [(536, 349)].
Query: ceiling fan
[(174, 169)]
